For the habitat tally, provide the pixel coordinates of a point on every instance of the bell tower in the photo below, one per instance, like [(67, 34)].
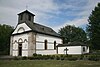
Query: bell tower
[(25, 16)]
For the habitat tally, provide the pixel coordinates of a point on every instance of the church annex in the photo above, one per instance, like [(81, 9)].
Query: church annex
[(29, 37)]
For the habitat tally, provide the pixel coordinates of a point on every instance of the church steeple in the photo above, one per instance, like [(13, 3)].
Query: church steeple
[(25, 16)]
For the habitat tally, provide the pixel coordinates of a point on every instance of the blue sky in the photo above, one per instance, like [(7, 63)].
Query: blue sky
[(53, 13)]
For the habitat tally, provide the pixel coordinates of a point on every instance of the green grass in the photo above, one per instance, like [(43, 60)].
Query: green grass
[(48, 63)]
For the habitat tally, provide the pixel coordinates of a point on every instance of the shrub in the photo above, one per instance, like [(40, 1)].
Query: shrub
[(62, 56), (57, 57), (72, 58), (16, 58), (24, 58), (34, 54), (52, 57), (31, 58), (91, 57), (45, 57), (94, 57)]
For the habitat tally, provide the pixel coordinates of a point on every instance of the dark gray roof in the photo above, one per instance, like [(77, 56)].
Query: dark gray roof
[(42, 29), (26, 11), (72, 44)]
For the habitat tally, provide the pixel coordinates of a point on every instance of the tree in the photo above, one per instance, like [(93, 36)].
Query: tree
[(5, 33), (72, 33), (93, 28)]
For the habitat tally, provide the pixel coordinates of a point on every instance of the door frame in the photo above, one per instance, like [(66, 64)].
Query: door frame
[(19, 49)]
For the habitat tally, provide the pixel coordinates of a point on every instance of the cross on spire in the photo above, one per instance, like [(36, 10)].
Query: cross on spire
[(26, 7)]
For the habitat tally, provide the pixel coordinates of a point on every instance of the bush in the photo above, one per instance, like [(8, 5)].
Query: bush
[(34, 54), (16, 58), (72, 58), (94, 57), (60, 57), (45, 57), (52, 57), (31, 58), (24, 58), (57, 57)]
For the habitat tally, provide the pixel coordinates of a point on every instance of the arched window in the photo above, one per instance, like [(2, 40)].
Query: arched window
[(21, 29), (20, 40), (54, 44), (45, 43)]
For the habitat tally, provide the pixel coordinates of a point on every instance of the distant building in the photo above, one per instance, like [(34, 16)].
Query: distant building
[(29, 37)]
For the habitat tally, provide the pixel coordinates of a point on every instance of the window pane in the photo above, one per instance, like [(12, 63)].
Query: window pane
[(29, 17), (45, 43), (54, 44), (21, 17)]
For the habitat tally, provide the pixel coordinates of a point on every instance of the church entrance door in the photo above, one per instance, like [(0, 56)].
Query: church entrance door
[(20, 50)]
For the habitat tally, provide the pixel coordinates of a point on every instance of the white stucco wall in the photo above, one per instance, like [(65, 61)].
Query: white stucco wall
[(15, 53), (61, 50), (39, 45), (24, 53), (20, 38), (46, 52), (40, 38), (21, 28), (73, 50), (87, 49), (51, 39)]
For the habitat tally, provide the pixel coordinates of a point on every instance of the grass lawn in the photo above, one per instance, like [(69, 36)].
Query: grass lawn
[(48, 63)]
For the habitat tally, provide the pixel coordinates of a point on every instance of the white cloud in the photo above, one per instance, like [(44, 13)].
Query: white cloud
[(43, 5), (10, 8), (47, 9), (76, 22), (84, 14), (88, 8)]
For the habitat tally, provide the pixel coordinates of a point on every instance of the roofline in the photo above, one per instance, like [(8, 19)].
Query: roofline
[(21, 33), (26, 11), (47, 34), (36, 32), (63, 45), (69, 45)]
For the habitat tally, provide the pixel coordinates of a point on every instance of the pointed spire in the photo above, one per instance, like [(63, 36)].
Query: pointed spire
[(26, 7)]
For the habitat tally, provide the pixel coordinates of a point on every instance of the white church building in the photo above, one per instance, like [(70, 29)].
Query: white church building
[(29, 38)]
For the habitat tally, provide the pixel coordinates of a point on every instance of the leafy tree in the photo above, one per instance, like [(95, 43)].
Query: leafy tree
[(5, 33), (93, 28), (72, 33)]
